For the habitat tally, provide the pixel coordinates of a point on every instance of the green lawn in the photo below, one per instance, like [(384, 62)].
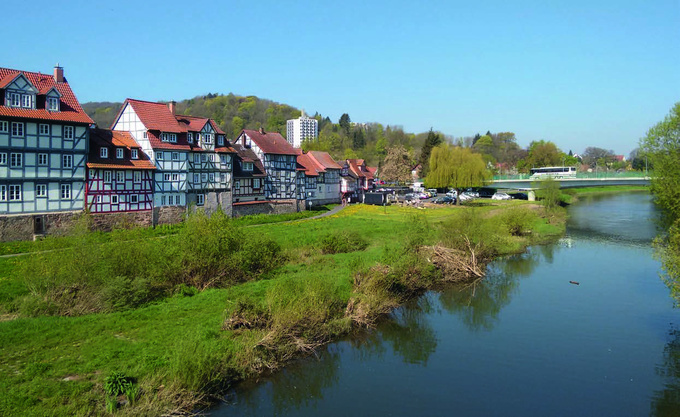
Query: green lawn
[(177, 348)]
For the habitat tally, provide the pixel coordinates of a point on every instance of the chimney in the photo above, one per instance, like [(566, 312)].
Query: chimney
[(171, 106), (262, 130), (58, 73)]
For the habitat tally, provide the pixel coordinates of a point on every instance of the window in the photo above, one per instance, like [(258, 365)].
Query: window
[(162, 200), (68, 132), (93, 174), (204, 158), (114, 199), (197, 178), (178, 200), (223, 177), (134, 154), (134, 198), (220, 140), (107, 176), (119, 153), (120, 176), (67, 161), (138, 176), (175, 156), (27, 101), (173, 137), (211, 177), (3, 159), (4, 126), (44, 129), (14, 192), (197, 158), (168, 137), (3, 193), (256, 183), (14, 99), (190, 137), (200, 199), (247, 166), (17, 129), (160, 156), (208, 138), (15, 160), (145, 136), (99, 199), (237, 184), (166, 177), (103, 152), (41, 190), (204, 177), (52, 104), (65, 191), (212, 157), (175, 177)]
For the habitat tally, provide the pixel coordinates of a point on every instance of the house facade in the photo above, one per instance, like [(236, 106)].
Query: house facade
[(119, 174), (193, 159), (318, 178), (44, 136), (249, 177)]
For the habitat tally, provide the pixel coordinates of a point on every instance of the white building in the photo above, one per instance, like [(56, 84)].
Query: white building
[(300, 129)]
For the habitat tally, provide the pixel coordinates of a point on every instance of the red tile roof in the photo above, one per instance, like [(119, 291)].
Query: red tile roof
[(358, 167), (70, 110), (156, 116), (270, 142), (115, 139), (324, 159), (309, 165)]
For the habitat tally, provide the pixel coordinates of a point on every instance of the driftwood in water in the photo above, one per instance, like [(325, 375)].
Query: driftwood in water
[(457, 265)]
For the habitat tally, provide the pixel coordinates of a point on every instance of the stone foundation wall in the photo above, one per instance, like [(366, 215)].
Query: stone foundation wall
[(106, 222), (267, 207), (168, 215), (23, 227)]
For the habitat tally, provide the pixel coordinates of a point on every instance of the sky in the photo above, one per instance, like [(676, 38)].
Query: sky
[(577, 73)]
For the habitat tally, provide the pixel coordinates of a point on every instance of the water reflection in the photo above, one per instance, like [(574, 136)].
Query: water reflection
[(666, 402), (479, 304)]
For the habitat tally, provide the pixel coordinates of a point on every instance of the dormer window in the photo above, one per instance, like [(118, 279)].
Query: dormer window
[(14, 99), (52, 104), (247, 166), (27, 101), (190, 137), (168, 137), (134, 154), (208, 138), (220, 140), (119, 153), (103, 152)]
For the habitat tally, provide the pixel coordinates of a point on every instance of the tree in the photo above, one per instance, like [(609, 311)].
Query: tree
[(345, 123), (397, 165), (456, 167), (597, 156), (432, 140), (662, 147), (543, 154)]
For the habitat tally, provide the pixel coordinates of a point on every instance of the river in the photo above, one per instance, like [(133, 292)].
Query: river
[(525, 341)]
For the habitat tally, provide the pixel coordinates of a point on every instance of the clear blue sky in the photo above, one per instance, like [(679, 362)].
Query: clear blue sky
[(578, 73)]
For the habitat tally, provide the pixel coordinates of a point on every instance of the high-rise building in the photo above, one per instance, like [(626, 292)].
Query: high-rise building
[(300, 129)]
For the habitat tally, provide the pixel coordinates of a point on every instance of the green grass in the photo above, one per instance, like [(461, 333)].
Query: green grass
[(177, 347), (571, 195)]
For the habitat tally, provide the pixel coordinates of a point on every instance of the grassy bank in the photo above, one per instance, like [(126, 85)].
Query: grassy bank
[(571, 195), (178, 337)]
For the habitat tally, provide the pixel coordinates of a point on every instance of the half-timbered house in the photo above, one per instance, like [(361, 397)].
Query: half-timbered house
[(119, 174), (278, 159), (43, 144), (249, 176), (328, 181)]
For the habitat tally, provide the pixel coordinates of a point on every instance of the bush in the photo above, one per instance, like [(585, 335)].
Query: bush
[(518, 221), (343, 242)]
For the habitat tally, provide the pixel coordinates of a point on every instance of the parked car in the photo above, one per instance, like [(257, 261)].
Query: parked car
[(409, 197), (432, 191), (452, 193), (466, 197), (520, 196), (423, 196), (445, 200), (501, 196)]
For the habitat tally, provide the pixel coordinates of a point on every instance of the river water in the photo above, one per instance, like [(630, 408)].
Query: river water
[(525, 341)]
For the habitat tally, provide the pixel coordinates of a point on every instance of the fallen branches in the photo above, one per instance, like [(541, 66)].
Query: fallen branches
[(457, 265)]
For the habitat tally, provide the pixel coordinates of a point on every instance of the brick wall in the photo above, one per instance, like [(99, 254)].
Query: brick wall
[(106, 222), (267, 207)]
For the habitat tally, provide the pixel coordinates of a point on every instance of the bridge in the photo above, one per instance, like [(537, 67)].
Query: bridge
[(531, 185)]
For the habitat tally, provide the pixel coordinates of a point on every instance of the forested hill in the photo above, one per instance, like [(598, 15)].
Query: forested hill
[(233, 113)]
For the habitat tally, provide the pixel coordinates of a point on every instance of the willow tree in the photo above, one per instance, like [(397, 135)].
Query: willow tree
[(457, 168)]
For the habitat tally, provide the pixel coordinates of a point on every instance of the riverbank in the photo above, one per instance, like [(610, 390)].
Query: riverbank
[(572, 195), (340, 273)]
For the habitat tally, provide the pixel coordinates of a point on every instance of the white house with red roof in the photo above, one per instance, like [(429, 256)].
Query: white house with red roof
[(320, 182), (193, 159), (44, 136), (278, 159), (119, 174)]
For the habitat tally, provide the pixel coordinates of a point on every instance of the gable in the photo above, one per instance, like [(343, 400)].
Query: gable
[(21, 83)]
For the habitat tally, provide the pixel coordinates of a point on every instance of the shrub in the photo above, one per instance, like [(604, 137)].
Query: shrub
[(518, 221), (342, 242)]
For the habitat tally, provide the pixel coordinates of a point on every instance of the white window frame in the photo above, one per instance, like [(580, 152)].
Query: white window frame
[(237, 184), (197, 178), (103, 152), (16, 160), (204, 177), (256, 181), (200, 199), (159, 156), (15, 100), (14, 192), (173, 137), (204, 158), (3, 158), (137, 176), (69, 132), (52, 104), (107, 176), (175, 156), (4, 126), (114, 199), (190, 137), (208, 138), (120, 176), (134, 154), (18, 129), (134, 198), (247, 166), (119, 153), (67, 161), (41, 190), (197, 158), (175, 177), (166, 177), (211, 157), (211, 177), (65, 192), (3, 192), (220, 140), (27, 101), (44, 129)]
